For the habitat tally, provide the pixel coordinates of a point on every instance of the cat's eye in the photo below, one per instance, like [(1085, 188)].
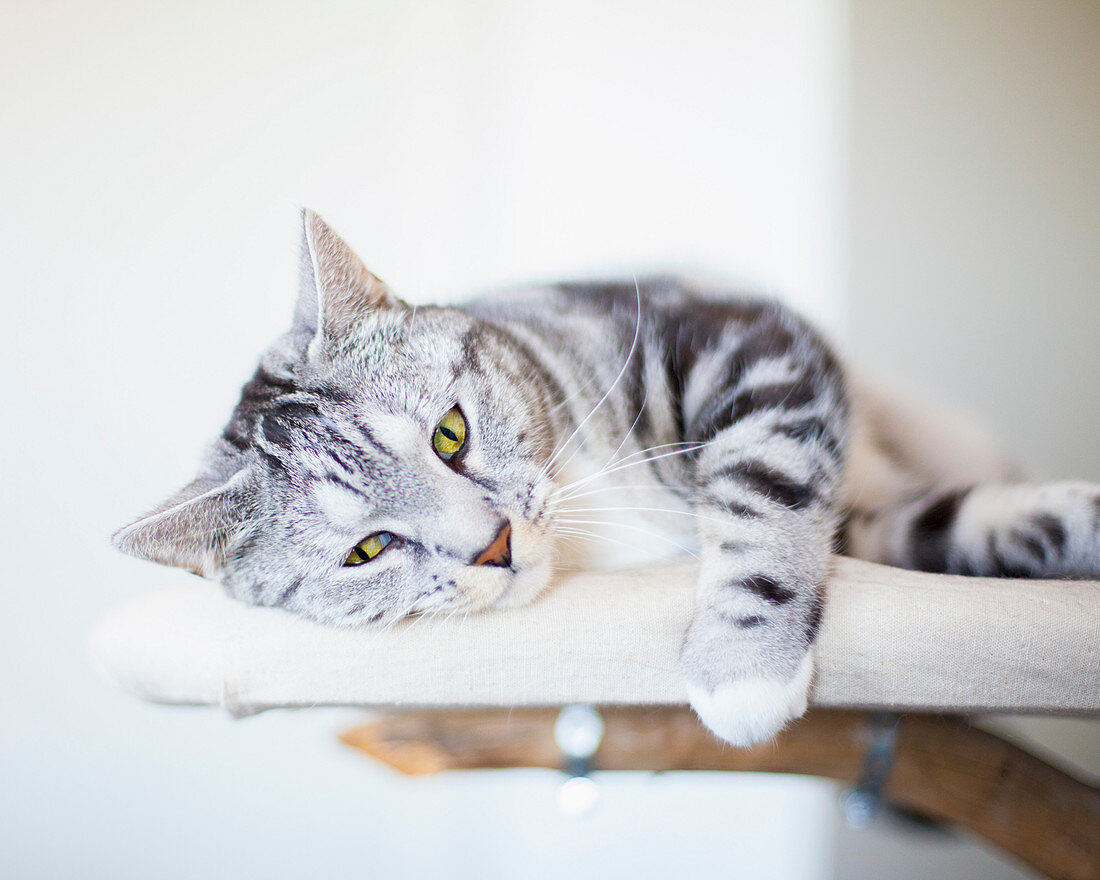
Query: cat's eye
[(450, 435), (368, 548)]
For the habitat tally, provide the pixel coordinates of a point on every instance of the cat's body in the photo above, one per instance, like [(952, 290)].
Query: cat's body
[(658, 414)]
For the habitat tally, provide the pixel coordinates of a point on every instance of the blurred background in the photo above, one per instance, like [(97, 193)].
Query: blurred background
[(922, 178)]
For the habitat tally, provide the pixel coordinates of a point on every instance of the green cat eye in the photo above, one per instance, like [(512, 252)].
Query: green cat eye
[(450, 434), (368, 548)]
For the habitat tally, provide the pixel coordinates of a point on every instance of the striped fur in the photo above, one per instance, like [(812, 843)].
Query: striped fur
[(607, 423)]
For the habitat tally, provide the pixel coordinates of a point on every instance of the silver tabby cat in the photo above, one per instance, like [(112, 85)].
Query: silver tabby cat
[(386, 460)]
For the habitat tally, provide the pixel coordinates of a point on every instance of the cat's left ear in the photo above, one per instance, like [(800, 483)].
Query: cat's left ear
[(194, 528), (336, 288)]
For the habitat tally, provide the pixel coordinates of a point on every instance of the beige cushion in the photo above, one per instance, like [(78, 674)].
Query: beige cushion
[(890, 638)]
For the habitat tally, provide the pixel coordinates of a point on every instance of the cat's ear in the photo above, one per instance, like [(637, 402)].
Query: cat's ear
[(193, 528), (336, 289)]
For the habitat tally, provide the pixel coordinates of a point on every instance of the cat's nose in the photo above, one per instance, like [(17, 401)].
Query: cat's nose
[(500, 551)]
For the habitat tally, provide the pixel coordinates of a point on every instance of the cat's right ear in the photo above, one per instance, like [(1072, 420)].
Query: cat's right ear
[(335, 289), (193, 528)]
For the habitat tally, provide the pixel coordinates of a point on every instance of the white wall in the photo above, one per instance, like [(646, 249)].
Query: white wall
[(152, 160), (976, 213)]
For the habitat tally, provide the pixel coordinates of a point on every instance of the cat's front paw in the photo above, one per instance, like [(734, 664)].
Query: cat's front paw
[(753, 709), (746, 682)]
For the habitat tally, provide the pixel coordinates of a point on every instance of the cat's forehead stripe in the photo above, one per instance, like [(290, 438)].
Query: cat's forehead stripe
[(259, 393), (320, 442)]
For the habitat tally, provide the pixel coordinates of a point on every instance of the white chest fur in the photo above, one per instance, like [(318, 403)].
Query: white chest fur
[(613, 518)]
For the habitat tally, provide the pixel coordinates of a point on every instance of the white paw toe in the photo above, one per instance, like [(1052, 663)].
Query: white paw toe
[(754, 709)]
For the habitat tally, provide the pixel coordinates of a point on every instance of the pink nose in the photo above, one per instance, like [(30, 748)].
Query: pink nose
[(500, 551)]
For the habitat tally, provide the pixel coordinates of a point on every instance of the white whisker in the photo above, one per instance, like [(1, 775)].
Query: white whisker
[(607, 394), (629, 432), (621, 466), (690, 513), (615, 487), (572, 533), (613, 466), (635, 528)]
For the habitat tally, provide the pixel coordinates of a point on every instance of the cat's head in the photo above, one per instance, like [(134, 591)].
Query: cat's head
[(382, 460)]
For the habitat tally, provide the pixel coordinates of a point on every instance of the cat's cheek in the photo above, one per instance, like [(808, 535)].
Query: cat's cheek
[(480, 587), (527, 585)]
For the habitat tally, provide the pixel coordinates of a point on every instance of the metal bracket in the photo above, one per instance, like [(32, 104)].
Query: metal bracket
[(578, 733), (863, 802)]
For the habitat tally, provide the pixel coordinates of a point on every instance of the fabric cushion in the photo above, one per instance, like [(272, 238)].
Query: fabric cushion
[(890, 638)]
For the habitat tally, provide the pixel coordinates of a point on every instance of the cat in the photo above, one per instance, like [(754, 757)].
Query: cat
[(386, 460)]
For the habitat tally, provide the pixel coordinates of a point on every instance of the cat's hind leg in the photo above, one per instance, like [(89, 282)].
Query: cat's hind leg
[(927, 490), (990, 530)]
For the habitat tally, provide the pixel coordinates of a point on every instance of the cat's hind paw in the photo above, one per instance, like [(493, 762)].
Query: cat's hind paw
[(753, 710)]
